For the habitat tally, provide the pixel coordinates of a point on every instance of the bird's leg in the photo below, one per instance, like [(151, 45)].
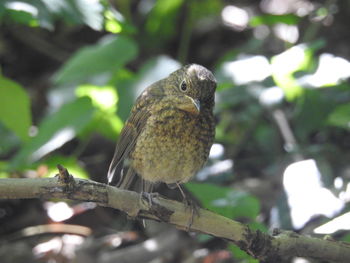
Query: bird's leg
[(189, 204), (147, 191)]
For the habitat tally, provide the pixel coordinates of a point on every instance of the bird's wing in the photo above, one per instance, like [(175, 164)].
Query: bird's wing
[(128, 137), (126, 143)]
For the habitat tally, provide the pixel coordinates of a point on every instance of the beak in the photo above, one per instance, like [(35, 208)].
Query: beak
[(190, 105), (197, 104)]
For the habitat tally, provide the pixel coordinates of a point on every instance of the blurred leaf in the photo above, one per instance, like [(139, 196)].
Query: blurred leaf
[(76, 11), (289, 19), (225, 201), (91, 12), (3, 166), (124, 81), (312, 112), (258, 226), (340, 116), (241, 255), (116, 23), (130, 85), (8, 142), (71, 163), (239, 111), (153, 70), (26, 16), (105, 99), (15, 108), (45, 12), (107, 124), (107, 56), (55, 130), (112, 25), (161, 19), (346, 238), (202, 238), (206, 9), (286, 64)]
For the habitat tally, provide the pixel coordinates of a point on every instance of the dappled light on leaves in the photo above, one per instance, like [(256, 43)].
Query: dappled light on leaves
[(59, 211), (103, 97), (286, 64), (154, 70), (56, 141), (65, 245), (150, 245), (331, 70), (216, 151), (235, 17), (307, 197), (339, 223), (288, 33), (271, 96), (247, 69)]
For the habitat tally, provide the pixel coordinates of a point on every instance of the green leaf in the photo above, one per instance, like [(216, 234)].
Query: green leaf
[(31, 13), (110, 54), (312, 112), (130, 86), (284, 66), (22, 17), (3, 167), (241, 255), (225, 201), (346, 238), (105, 99), (8, 142), (162, 18), (289, 19), (71, 12), (44, 13), (91, 12), (340, 116), (19, 12), (55, 130), (116, 23), (15, 108)]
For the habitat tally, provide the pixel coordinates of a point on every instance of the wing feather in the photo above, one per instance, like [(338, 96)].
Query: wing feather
[(130, 132)]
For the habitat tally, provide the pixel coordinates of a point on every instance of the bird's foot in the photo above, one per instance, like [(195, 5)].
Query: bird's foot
[(149, 197), (194, 208), (189, 204)]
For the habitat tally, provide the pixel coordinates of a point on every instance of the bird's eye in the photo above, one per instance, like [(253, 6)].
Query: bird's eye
[(183, 86)]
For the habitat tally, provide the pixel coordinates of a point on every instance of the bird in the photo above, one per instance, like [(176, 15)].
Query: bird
[(169, 133)]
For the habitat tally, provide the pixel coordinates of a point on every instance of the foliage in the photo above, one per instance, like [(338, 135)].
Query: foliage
[(283, 92)]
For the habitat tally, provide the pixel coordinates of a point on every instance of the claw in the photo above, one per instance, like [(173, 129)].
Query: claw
[(149, 197), (189, 204)]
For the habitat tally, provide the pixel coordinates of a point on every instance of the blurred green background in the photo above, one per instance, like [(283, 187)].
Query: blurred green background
[(70, 71)]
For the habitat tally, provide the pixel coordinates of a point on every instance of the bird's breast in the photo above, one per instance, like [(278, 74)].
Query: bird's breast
[(173, 146)]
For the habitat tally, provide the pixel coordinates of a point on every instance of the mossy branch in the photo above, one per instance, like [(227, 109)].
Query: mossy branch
[(267, 248)]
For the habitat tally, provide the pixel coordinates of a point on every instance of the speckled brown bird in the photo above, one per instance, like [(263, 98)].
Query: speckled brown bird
[(170, 131)]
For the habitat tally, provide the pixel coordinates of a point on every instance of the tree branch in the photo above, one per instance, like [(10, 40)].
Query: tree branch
[(260, 245)]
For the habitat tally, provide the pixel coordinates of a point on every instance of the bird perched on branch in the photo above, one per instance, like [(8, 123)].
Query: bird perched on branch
[(169, 133)]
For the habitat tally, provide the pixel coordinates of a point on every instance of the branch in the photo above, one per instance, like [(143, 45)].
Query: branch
[(260, 245)]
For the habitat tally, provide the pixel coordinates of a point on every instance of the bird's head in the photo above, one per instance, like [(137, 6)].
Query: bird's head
[(191, 88)]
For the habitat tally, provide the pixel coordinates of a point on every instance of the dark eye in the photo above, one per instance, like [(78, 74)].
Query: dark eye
[(183, 86)]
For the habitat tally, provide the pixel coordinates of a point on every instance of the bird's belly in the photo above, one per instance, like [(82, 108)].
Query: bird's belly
[(173, 150)]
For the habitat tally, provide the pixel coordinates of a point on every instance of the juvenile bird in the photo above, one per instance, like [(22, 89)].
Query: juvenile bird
[(169, 133)]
